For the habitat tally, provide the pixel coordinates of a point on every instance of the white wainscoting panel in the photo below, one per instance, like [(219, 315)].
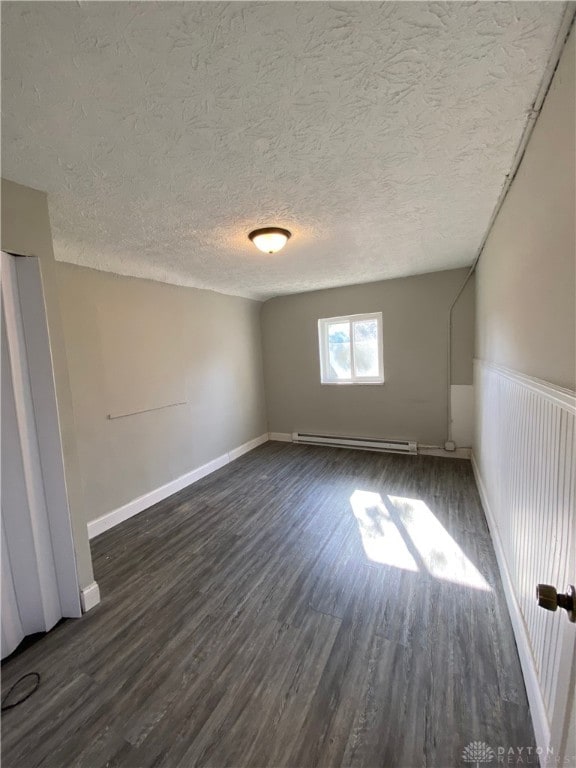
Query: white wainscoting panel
[(462, 409), (524, 459)]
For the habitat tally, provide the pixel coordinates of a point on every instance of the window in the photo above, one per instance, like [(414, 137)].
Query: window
[(351, 349)]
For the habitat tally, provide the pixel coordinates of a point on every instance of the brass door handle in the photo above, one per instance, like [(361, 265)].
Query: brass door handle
[(549, 599)]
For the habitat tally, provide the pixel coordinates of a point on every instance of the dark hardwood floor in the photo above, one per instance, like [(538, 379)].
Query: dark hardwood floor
[(304, 607)]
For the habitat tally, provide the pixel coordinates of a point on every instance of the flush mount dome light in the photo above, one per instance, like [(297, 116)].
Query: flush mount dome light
[(270, 239)]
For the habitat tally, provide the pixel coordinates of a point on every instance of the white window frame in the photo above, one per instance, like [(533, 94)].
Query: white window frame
[(323, 324)]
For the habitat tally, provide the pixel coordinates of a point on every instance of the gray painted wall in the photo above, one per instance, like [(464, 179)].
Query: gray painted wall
[(26, 231), (411, 403), (526, 279), (134, 344)]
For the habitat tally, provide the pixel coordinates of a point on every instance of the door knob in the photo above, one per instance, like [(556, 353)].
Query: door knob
[(549, 599)]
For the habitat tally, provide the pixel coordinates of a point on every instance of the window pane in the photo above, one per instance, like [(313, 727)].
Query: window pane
[(339, 350), (366, 348)]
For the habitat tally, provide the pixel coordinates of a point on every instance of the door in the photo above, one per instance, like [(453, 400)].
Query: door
[(563, 721), (558, 628), (39, 579)]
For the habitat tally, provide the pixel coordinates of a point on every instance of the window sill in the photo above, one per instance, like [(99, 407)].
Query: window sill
[(352, 383)]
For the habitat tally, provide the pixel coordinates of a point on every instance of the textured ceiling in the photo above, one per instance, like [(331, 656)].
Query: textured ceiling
[(380, 134)]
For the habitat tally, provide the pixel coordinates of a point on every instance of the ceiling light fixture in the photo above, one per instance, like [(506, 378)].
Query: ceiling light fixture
[(270, 239)]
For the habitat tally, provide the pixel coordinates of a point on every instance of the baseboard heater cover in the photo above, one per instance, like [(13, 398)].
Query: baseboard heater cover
[(367, 443)]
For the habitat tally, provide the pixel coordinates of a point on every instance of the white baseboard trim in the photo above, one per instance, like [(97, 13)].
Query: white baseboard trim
[(282, 437), (235, 453), (89, 596), (535, 698), (117, 516)]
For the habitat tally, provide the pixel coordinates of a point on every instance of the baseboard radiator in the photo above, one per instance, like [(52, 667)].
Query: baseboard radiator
[(364, 443)]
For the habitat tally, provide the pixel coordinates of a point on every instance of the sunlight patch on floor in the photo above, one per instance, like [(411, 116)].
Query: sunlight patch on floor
[(381, 539), (440, 553), (388, 541)]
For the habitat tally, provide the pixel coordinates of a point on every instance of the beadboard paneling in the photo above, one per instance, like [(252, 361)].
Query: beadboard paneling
[(525, 459)]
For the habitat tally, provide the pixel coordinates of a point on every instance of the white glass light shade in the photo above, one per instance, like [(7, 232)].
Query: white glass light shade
[(269, 239)]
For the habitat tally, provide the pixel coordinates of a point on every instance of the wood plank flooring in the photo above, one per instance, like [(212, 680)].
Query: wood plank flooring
[(254, 619)]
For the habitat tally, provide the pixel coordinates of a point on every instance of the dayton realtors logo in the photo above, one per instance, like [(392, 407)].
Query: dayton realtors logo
[(479, 753)]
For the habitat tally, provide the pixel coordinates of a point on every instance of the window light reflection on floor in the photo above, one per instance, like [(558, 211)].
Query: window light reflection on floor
[(440, 553), (381, 539), (390, 533)]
